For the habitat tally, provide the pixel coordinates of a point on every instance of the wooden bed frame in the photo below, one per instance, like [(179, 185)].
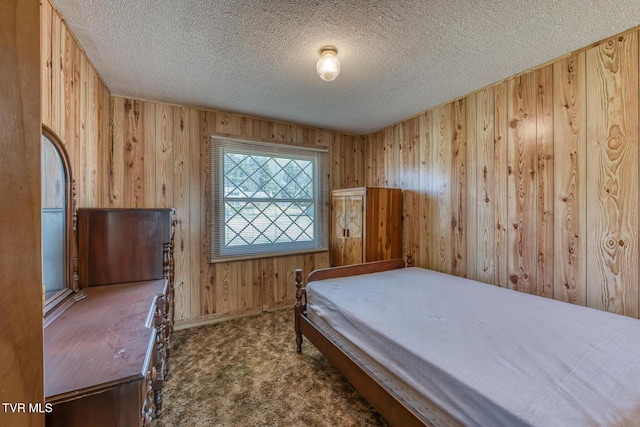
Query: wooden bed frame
[(383, 399)]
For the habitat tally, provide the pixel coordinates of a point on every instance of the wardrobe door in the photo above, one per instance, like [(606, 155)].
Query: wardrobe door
[(354, 208), (347, 227), (338, 233)]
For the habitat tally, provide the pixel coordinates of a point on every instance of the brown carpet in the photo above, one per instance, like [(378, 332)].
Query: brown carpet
[(246, 372)]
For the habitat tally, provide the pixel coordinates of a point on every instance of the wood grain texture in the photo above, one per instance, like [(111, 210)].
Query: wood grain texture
[(104, 141), (369, 151), (469, 204), (46, 62), (485, 176), (441, 141), (376, 163), (177, 138), (286, 276), (422, 255), (135, 153), (264, 277), (570, 184), (389, 139), (544, 176), (337, 233), (194, 231), (352, 148), (148, 111), (87, 180), (612, 181), (57, 76), (501, 187), (354, 228), (410, 134), (134, 143), (225, 301), (164, 123), (181, 193), (521, 183), (72, 97), (336, 164), (366, 225), (206, 278), (354, 270), (114, 161), (459, 189), (575, 118), (397, 158), (552, 179), (82, 344), (21, 349)]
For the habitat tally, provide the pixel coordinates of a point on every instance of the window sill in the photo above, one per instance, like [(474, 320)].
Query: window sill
[(266, 255), (59, 305)]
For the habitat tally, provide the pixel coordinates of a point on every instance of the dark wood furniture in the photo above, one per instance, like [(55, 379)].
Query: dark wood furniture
[(121, 245), (366, 225), (381, 397), (106, 356), (101, 356)]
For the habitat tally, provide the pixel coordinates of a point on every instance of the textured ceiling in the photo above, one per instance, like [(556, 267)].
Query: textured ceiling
[(398, 58)]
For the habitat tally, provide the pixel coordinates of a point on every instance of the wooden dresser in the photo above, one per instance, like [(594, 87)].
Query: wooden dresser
[(121, 245), (106, 356), (366, 225)]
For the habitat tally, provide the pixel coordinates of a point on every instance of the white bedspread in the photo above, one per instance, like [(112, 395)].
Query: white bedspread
[(489, 356)]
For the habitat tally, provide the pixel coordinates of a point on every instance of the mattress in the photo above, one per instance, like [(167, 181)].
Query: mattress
[(488, 356)]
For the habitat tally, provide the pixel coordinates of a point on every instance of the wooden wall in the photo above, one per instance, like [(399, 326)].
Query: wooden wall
[(135, 153), (159, 156), (531, 184), (21, 371), (75, 105)]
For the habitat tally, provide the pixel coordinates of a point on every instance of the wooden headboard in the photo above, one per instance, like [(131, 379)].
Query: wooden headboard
[(356, 269)]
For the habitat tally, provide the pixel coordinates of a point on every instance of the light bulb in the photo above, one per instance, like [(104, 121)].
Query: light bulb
[(328, 66)]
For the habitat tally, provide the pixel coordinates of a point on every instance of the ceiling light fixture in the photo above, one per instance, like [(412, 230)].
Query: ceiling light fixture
[(328, 66)]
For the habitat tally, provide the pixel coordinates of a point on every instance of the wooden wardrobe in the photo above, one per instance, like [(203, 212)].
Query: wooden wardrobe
[(366, 225)]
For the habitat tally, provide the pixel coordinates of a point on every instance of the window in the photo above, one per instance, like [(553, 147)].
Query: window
[(57, 222), (266, 199)]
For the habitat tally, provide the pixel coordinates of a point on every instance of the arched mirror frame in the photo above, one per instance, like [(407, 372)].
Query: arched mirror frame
[(70, 226)]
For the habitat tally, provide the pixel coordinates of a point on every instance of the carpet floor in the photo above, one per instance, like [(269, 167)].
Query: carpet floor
[(246, 372)]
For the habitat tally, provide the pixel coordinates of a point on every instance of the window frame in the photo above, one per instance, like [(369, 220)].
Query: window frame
[(70, 224), (220, 145)]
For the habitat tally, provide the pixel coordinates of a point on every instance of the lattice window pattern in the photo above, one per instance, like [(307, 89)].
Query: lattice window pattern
[(272, 199)]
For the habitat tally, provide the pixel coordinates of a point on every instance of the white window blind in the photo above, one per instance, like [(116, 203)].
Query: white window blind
[(266, 199)]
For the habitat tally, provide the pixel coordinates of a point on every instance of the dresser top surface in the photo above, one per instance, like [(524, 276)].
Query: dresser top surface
[(100, 340)]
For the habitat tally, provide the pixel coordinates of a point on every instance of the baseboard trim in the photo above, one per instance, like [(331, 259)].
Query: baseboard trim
[(223, 317)]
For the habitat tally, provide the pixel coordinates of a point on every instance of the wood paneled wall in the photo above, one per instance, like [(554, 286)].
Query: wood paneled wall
[(21, 302), (159, 156), (134, 153), (75, 105), (531, 184)]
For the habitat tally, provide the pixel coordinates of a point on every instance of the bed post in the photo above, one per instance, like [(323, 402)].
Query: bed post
[(299, 308)]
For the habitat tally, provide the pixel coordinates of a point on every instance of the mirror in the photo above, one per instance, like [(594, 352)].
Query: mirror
[(57, 222)]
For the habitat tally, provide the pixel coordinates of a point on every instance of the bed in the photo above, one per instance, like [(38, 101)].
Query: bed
[(426, 348)]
